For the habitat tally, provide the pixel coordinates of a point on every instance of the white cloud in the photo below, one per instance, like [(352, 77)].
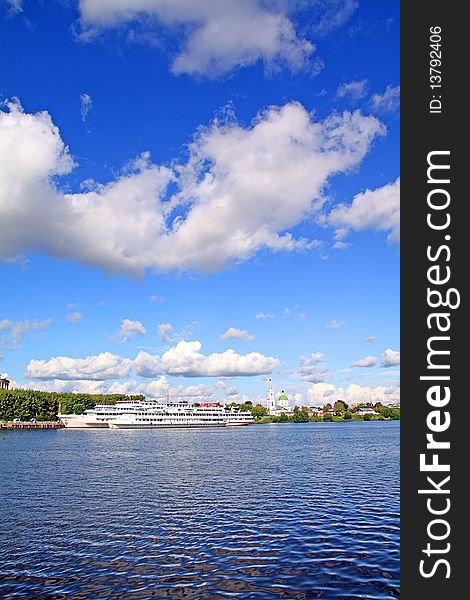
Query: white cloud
[(354, 90), (320, 394), (14, 331), (390, 358), (387, 102), (15, 5), (244, 200), (333, 324), (235, 192), (158, 388), (377, 209), (310, 369), (130, 329), (86, 104), (100, 367), (314, 358), (74, 317), (233, 333), (367, 361), (156, 298), (341, 245), (165, 332), (334, 14), (370, 339), (293, 312), (216, 36), (184, 359), (262, 315)]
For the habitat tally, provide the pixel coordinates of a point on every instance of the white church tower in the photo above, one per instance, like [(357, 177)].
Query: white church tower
[(271, 400)]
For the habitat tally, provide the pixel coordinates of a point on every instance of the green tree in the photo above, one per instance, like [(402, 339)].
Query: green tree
[(44, 406), (259, 411), (339, 407), (300, 415), (390, 413), (328, 417), (347, 415)]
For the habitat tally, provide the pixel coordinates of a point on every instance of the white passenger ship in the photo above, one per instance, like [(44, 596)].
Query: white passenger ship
[(152, 414)]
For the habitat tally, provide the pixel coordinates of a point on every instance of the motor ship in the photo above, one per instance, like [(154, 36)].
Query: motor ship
[(152, 414)]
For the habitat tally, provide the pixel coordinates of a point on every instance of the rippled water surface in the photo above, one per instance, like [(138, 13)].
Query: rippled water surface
[(269, 511)]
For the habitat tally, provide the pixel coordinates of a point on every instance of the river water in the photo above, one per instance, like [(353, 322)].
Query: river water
[(270, 511)]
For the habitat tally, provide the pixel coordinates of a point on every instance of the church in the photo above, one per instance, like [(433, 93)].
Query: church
[(279, 406)]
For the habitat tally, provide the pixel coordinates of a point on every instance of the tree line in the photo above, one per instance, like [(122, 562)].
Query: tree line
[(44, 406)]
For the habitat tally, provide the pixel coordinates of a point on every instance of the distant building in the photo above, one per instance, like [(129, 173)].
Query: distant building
[(279, 407), (271, 399), (314, 411), (4, 383), (366, 410), (283, 402)]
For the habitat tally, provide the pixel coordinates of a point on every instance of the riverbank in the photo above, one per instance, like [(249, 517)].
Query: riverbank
[(33, 406)]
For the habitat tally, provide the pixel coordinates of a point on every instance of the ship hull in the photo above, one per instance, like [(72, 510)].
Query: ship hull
[(163, 426), (81, 422)]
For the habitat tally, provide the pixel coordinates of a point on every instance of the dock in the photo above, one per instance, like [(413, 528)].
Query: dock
[(29, 425)]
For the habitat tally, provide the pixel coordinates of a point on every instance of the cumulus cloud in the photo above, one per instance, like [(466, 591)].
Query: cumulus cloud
[(367, 361), (334, 324), (100, 367), (13, 332), (74, 317), (86, 104), (235, 193), (377, 209), (184, 359), (262, 315), (387, 102), (353, 90), (165, 332), (390, 358), (314, 358), (320, 394), (130, 329), (312, 370), (233, 333), (216, 36)]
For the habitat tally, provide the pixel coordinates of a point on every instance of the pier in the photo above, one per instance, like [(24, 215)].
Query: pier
[(28, 425)]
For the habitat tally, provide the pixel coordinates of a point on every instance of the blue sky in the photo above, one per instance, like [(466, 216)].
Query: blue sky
[(200, 196)]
